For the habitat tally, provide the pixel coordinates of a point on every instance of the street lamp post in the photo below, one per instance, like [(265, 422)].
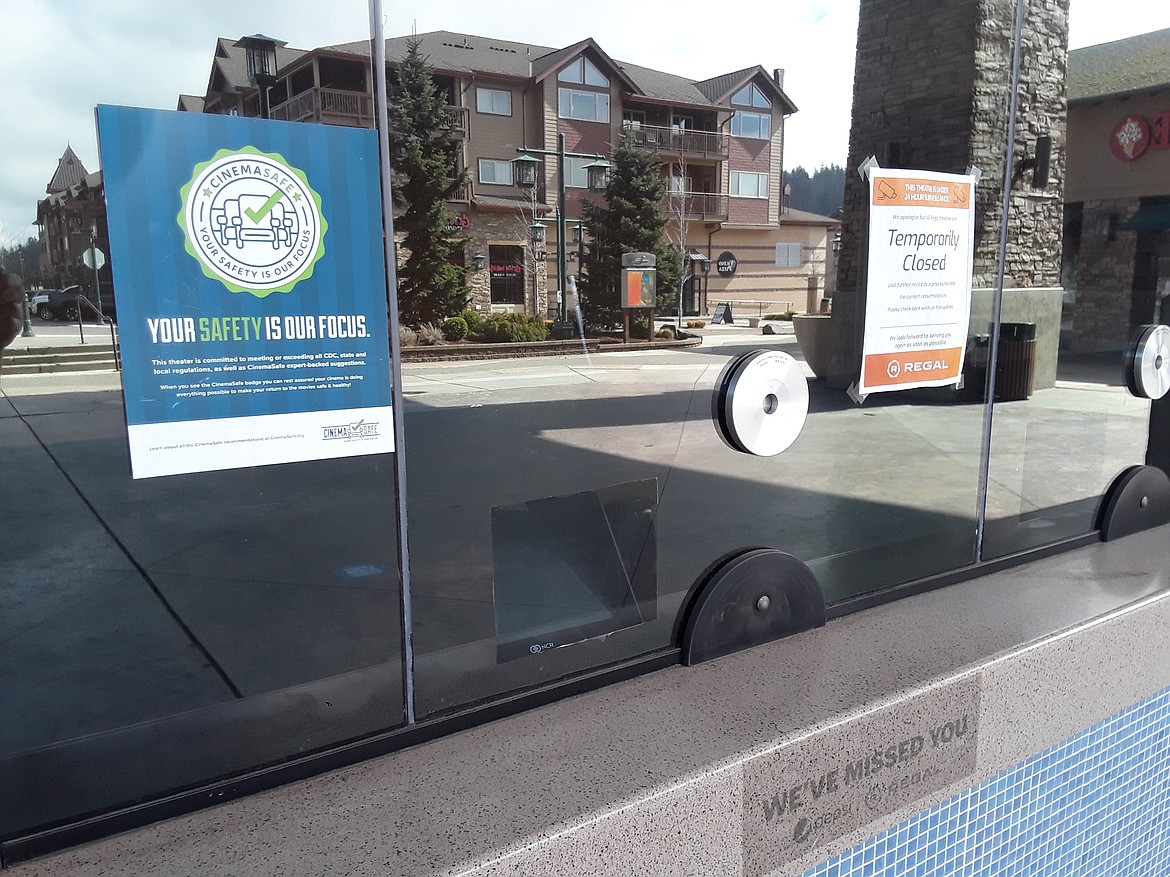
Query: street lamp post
[(260, 53), (524, 172), (26, 317)]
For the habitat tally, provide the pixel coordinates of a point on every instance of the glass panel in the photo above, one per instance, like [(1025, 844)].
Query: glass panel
[(593, 76), (573, 72), (1065, 424), (192, 626), (161, 633), (506, 273)]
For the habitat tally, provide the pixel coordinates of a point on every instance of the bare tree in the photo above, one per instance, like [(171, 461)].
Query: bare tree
[(526, 218), (679, 208)]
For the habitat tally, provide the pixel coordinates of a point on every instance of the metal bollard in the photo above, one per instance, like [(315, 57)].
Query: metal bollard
[(26, 329)]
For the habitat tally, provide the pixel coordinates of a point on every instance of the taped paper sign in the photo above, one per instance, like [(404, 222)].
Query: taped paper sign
[(918, 303)]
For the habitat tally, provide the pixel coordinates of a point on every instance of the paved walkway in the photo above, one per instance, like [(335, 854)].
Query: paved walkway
[(127, 601)]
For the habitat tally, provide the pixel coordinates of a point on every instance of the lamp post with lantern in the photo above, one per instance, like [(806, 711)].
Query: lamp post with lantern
[(260, 53), (524, 173)]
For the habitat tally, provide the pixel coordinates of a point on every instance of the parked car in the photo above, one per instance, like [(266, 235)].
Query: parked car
[(65, 304), (39, 304)]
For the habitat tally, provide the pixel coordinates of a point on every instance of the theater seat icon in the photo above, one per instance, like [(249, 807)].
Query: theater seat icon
[(252, 218)]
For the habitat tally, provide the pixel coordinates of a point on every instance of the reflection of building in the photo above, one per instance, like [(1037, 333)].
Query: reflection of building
[(68, 218), (1117, 196), (720, 142)]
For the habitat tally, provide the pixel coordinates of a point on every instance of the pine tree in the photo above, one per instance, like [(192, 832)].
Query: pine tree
[(630, 220), (430, 286)]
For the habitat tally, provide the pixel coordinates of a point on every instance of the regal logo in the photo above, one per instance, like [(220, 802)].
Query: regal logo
[(252, 221)]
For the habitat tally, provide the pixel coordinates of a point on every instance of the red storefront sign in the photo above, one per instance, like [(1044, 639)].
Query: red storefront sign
[(1133, 135)]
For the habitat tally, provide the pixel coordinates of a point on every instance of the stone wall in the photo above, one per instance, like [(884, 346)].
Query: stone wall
[(1104, 286), (931, 91)]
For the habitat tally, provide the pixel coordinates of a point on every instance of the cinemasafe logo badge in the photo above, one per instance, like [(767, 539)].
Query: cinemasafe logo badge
[(252, 221)]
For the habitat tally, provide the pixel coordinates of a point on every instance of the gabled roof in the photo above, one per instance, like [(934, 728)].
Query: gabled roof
[(666, 87), (719, 89), (450, 52), (70, 172), (1135, 64), (459, 54), (543, 67), (190, 103)]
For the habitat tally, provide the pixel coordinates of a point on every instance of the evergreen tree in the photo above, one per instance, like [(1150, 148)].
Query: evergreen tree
[(630, 220), (22, 258), (430, 286), (823, 193)]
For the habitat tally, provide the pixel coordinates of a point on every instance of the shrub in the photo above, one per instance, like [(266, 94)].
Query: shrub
[(473, 319), (696, 324), (514, 328), (666, 332), (407, 337), (454, 328), (783, 315), (429, 334)]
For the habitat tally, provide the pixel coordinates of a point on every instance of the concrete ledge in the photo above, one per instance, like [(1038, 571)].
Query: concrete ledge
[(575, 347), (662, 775)]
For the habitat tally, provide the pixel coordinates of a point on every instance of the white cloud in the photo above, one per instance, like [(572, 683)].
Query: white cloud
[(59, 58)]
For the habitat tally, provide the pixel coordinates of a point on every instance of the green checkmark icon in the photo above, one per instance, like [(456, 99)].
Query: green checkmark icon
[(265, 208)]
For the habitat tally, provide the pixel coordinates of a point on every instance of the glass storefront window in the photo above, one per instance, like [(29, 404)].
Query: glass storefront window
[(560, 501)]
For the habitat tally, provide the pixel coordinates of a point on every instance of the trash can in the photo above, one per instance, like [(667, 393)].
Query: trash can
[(1016, 362)]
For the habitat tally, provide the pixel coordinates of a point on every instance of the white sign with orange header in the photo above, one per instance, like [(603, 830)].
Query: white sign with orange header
[(918, 304)]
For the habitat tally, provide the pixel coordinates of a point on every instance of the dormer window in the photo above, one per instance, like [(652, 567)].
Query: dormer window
[(746, 123), (583, 72), (751, 96), (577, 103)]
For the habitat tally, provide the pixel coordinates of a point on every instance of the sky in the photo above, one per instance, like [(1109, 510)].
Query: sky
[(60, 58)]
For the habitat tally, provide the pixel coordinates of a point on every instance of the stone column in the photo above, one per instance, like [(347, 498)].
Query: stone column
[(931, 92)]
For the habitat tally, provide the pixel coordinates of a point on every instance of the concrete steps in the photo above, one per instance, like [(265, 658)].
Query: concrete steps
[(48, 360)]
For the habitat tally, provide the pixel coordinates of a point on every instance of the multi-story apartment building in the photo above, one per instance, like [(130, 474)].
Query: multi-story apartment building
[(71, 219), (720, 140)]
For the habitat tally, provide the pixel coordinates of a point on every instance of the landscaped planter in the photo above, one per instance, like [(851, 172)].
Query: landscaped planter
[(812, 337)]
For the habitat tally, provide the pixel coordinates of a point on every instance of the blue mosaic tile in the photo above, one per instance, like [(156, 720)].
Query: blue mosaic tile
[(1095, 805)]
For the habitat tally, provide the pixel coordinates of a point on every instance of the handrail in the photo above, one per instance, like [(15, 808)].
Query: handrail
[(101, 318)]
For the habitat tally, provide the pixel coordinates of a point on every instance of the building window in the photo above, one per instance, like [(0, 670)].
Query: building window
[(506, 270), (576, 177), (494, 101), (751, 96), (634, 118), (495, 172), (748, 185), (754, 125), (588, 106), (582, 71)]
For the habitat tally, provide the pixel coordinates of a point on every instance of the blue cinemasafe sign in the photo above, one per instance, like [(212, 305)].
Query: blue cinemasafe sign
[(248, 259)]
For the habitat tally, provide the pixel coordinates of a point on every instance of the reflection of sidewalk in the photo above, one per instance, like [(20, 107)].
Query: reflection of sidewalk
[(184, 592), (239, 579)]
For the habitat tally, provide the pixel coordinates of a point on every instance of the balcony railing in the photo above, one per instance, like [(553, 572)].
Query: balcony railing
[(677, 141), (458, 119), (462, 195), (327, 105), (703, 206), (349, 107)]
